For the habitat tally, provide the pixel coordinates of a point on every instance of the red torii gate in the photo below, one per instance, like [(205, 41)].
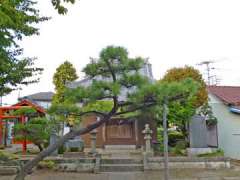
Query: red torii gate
[(22, 119)]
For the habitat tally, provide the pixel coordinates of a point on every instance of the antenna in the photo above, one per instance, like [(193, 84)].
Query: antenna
[(210, 78)]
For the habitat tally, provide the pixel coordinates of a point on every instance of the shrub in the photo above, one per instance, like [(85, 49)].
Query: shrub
[(174, 137), (46, 164), (61, 150), (180, 148), (74, 149), (4, 156)]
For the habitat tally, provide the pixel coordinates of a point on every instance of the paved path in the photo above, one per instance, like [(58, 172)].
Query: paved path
[(191, 174)]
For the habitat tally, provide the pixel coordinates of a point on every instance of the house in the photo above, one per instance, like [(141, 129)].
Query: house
[(225, 103), (118, 131), (42, 99)]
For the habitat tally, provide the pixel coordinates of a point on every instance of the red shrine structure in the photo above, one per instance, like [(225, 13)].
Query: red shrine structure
[(5, 118)]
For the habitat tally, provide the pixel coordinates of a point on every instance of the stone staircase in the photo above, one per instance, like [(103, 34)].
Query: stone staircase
[(121, 165), (121, 151)]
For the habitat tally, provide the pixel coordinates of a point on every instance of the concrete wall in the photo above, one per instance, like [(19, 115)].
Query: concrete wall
[(157, 163), (228, 128)]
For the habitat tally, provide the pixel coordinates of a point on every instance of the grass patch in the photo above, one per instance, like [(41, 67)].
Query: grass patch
[(218, 153)]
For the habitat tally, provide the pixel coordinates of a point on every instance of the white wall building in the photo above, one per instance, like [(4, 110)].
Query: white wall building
[(225, 103)]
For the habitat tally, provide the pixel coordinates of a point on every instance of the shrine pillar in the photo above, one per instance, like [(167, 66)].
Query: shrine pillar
[(1, 127), (24, 143)]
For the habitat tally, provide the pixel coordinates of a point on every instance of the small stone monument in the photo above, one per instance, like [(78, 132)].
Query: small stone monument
[(53, 140), (93, 134), (198, 136), (147, 137)]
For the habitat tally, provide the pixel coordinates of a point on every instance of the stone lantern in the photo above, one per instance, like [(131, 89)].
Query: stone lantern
[(93, 134), (147, 137)]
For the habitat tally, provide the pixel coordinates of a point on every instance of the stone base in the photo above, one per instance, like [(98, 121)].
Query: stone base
[(157, 163), (8, 170), (120, 147)]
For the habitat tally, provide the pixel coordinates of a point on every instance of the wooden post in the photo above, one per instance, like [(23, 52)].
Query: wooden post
[(165, 139), (1, 127), (24, 143)]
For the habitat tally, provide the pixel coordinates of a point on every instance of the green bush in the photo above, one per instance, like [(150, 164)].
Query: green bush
[(160, 134), (181, 144), (174, 137), (74, 149), (5, 156), (46, 164), (179, 149), (61, 150)]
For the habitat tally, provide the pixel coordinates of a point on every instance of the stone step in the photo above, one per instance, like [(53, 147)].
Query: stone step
[(121, 167), (121, 155), (8, 170), (121, 161), (73, 154), (120, 147), (122, 151)]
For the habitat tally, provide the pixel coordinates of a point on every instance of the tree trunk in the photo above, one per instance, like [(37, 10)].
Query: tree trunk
[(51, 148)]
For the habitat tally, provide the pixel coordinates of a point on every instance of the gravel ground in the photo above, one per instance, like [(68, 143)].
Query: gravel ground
[(180, 174)]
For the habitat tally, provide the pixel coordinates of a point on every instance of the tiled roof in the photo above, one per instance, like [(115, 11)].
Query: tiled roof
[(41, 96), (228, 94)]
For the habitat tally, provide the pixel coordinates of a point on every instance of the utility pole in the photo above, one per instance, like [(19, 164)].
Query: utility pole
[(208, 70), (165, 139)]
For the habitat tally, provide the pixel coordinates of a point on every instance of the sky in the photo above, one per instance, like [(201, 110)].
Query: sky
[(171, 33)]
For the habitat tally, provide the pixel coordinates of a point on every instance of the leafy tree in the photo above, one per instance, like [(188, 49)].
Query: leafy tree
[(178, 74), (17, 20), (64, 73), (110, 74), (181, 112), (206, 112), (37, 130), (59, 5)]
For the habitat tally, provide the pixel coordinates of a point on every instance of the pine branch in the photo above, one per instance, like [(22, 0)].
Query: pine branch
[(135, 109), (89, 112)]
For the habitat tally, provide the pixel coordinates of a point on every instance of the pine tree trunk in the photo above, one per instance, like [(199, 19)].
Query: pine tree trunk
[(51, 148)]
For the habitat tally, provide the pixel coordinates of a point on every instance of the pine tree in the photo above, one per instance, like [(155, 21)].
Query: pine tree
[(117, 71)]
